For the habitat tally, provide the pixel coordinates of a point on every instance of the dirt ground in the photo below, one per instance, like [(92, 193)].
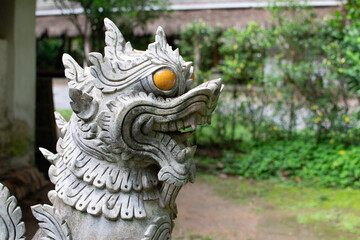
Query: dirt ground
[(203, 215)]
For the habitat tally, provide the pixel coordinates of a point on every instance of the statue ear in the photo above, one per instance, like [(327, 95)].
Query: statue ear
[(83, 104)]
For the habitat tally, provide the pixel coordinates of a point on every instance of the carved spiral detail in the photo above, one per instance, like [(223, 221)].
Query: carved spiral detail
[(160, 229), (51, 223), (11, 226)]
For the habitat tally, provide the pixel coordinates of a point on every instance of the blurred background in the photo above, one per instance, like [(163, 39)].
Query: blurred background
[(281, 159)]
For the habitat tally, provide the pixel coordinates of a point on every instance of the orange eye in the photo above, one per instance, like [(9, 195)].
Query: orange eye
[(192, 77), (164, 79)]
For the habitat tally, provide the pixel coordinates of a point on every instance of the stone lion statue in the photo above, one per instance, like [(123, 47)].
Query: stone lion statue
[(123, 156)]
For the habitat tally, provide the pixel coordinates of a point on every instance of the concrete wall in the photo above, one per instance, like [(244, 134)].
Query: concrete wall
[(17, 29), (17, 84)]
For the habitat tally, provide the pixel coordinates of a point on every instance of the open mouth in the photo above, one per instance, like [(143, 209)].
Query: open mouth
[(160, 128), (175, 134)]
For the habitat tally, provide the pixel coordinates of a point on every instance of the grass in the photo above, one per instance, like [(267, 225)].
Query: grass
[(331, 213)]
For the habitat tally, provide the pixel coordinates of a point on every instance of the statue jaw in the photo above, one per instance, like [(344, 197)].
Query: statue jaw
[(158, 128)]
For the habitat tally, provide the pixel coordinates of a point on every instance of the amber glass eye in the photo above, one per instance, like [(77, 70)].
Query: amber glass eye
[(164, 79), (192, 77)]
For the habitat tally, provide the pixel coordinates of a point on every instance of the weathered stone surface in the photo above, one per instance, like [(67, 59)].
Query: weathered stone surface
[(124, 154), (11, 226)]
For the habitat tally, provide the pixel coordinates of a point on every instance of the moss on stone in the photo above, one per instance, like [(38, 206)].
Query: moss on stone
[(15, 140)]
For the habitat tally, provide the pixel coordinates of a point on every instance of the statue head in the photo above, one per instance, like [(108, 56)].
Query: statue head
[(138, 108)]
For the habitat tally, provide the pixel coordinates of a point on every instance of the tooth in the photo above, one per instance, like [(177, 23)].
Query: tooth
[(176, 149), (180, 125), (192, 172), (152, 95), (145, 182), (190, 151), (172, 126), (142, 95), (160, 99), (186, 123), (148, 127), (164, 127), (192, 122), (159, 136), (172, 144), (181, 156), (166, 140)]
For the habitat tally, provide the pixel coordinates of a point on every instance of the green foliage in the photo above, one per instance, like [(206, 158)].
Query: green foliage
[(199, 44), (324, 164), (302, 85), (244, 54), (305, 78), (293, 75), (48, 53), (344, 51), (197, 35), (219, 134)]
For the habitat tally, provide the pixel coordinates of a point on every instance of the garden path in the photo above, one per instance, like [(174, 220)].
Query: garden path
[(203, 215)]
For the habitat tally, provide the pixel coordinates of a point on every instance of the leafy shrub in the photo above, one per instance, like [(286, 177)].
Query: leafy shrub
[(199, 44), (344, 52), (49, 53), (244, 54), (331, 165), (305, 76), (300, 73)]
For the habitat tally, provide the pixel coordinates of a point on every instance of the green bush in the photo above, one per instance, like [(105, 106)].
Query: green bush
[(324, 164), (199, 44), (244, 54), (306, 78), (48, 53), (302, 67), (344, 52)]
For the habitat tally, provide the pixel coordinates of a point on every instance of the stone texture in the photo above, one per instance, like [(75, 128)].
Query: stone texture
[(11, 226), (124, 156)]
